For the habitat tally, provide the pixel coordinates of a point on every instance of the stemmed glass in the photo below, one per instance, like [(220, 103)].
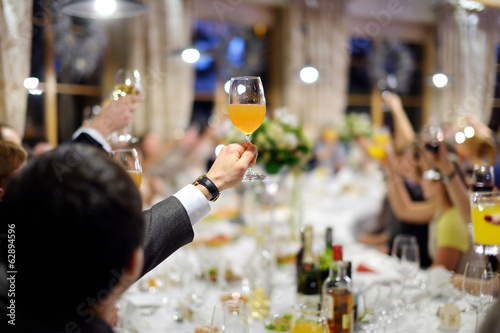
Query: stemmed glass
[(129, 160), (490, 286), (483, 178), (247, 110), (471, 286), (431, 136), (229, 317), (405, 251), (127, 82)]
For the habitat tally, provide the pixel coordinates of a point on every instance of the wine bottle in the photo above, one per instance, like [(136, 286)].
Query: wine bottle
[(308, 286), (326, 257), (337, 295)]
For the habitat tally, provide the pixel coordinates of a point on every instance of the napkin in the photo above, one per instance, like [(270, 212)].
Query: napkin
[(439, 282)]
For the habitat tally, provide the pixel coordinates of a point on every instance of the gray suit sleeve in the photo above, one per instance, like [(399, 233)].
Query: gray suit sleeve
[(167, 229)]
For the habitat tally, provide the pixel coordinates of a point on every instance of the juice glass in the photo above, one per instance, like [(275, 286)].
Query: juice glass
[(309, 318), (485, 211)]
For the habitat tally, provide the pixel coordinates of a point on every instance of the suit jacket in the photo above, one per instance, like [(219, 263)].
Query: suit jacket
[(168, 227)]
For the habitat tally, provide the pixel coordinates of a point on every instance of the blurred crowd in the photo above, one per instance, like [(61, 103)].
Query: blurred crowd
[(428, 174)]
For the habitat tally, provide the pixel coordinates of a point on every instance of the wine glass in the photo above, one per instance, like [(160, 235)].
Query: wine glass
[(490, 286), (483, 178), (127, 82), (431, 136), (129, 159), (247, 110), (400, 241), (471, 286), (309, 318), (229, 317)]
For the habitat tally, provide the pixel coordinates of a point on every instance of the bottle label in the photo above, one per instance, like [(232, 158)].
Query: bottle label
[(346, 321), (328, 306)]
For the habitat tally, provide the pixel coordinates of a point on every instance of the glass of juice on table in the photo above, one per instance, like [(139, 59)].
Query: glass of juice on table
[(309, 318), (485, 211)]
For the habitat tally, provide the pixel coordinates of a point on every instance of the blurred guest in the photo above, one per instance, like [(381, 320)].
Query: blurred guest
[(328, 152), (12, 158), (8, 133), (82, 236)]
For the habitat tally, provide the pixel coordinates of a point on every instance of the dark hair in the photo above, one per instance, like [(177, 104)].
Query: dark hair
[(77, 218)]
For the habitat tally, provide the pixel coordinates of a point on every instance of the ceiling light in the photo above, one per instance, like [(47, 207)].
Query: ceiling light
[(309, 74), (104, 8)]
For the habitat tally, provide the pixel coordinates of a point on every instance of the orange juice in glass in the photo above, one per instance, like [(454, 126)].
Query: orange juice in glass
[(136, 177), (380, 138), (309, 318), (485, 210), (247, 110), (247, 117)]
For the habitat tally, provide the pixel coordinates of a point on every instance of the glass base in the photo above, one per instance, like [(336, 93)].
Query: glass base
[(251, 176), (489, 250)]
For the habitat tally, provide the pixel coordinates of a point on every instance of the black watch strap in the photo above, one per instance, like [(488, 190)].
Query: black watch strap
[(210, 186)]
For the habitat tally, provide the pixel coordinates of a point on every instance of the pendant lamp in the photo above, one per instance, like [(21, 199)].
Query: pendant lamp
[(108, 9)]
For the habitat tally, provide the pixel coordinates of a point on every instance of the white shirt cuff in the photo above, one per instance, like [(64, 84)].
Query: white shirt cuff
[(95, 135), (195, 203)]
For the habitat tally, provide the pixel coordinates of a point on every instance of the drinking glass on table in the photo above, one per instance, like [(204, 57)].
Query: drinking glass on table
[(490, 287), (471, 284), (129, 160), (309, 318), (485, 209), (247, 110), (229, 317), (406, 252), (127, 82)]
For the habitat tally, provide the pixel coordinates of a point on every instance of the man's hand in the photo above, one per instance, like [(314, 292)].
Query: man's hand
[(231, 163), (115, 115)]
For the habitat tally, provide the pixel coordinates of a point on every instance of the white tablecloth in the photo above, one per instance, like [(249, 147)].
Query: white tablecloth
[(347, 202)]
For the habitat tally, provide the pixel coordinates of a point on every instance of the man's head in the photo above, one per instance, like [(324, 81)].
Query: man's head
[(12, 158), (8, 133), (79, 226)]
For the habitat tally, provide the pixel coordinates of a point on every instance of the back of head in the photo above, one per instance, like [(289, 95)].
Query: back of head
[(12, 156), (78, 218)]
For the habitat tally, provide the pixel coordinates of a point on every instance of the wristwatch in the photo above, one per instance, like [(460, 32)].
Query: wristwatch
[(209, 185), (447, 178)]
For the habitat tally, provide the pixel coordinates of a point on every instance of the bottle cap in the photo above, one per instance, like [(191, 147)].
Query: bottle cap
[(337, 252)]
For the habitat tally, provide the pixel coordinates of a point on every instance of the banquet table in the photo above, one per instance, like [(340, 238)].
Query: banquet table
[(177, 297)]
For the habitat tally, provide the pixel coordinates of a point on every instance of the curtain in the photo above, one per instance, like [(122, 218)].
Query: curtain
[(316, 34), (467, 42), (155, 40), (15, 60)]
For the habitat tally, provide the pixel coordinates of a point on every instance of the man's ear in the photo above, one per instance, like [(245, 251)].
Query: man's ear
[(134, 264)]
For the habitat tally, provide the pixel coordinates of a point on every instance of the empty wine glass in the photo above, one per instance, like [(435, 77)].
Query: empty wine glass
[(400, 241), (369, 320), (229, 317), (490, 286), (471, 286), (410, 261)]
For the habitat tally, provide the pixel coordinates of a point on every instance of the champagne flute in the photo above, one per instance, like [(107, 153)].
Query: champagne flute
[(127, 82), (247, 110), (129, 160), (229, 317), (471, 286)]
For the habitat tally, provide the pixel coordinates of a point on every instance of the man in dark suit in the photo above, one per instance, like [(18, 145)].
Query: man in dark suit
[(79, 234)]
